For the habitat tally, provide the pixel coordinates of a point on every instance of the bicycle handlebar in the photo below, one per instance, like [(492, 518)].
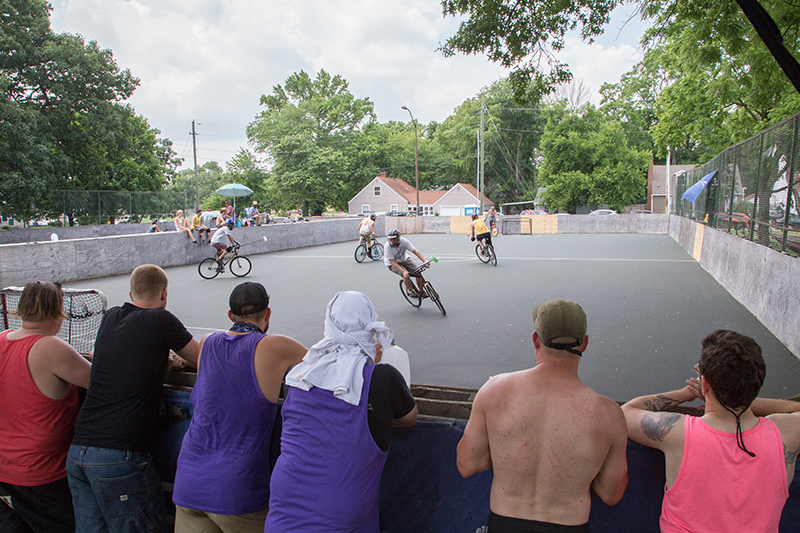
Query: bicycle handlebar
[(424, 265)]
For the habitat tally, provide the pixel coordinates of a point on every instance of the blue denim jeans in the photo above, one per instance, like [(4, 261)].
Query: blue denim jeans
[(115, 491)]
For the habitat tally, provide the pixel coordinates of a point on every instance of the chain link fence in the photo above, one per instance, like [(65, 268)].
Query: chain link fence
[(754, 192), (109, 207)]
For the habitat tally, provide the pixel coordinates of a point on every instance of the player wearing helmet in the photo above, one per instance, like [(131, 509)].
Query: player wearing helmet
[(219, 235), (397, 259)]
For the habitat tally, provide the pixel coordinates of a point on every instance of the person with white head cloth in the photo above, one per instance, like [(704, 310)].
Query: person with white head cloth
[(337, 419)]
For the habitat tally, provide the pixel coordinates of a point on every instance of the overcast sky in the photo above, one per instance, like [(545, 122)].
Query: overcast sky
[(210, 61)]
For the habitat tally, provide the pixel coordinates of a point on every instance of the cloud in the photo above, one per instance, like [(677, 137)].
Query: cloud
[(211, 61)]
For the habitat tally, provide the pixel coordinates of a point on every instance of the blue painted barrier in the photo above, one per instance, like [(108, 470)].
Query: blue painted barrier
[(422, 491)]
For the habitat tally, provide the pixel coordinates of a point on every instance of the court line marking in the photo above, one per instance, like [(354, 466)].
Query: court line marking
[(472, 256)]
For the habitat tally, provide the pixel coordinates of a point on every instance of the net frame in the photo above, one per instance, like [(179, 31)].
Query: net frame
[(84, 309)]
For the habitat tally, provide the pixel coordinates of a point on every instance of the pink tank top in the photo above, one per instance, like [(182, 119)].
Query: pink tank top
[(35, 431), (721, 488)]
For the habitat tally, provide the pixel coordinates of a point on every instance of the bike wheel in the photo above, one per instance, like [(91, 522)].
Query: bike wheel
[(208, 268), (377, 251), (481, 254), (416, 302), (361, 252), (240, 266), (434, 296), (492, 255)]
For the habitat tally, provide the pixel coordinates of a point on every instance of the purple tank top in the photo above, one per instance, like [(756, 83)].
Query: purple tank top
[(223, 466), (329, 470)]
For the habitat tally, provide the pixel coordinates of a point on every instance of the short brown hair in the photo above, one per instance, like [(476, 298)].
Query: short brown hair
[(733, 366), (41, 301), (147, 281)]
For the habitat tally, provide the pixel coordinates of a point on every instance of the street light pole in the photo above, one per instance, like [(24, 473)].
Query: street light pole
[(416, 155)]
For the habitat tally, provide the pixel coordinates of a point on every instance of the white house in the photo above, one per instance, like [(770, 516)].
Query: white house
[(393, 194)]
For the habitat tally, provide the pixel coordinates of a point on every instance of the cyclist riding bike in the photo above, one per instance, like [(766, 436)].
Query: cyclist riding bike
[(219, 235), (367, 231), (397, 259), (480, 230)]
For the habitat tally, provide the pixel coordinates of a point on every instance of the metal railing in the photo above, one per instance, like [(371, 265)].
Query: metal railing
[(754, 193)]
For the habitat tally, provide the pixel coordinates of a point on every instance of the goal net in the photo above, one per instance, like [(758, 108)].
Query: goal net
[(84, 310)]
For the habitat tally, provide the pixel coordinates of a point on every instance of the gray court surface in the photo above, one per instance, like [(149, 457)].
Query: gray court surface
[(649, 304)]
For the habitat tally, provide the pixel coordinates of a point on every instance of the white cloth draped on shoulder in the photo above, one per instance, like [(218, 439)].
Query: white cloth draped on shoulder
[(336, 363)]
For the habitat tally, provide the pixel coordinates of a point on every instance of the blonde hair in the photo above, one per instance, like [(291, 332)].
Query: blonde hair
[(147, 281), (179, 213), (41, 301)]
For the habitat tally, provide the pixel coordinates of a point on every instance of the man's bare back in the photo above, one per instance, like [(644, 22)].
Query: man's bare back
[(550, 439), (549, 436)]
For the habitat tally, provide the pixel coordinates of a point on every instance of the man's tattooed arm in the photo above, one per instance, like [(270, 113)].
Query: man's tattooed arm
[(657, 426), (789, 455), (660, 402)]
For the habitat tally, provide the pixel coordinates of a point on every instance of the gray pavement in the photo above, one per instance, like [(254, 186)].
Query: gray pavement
[(649, 304)]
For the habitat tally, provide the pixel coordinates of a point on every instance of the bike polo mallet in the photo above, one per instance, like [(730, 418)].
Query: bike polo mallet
[(253, 242)]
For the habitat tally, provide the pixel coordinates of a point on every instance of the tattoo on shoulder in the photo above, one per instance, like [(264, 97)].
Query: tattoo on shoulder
[(657, 426), (660, 402), (789, 455)]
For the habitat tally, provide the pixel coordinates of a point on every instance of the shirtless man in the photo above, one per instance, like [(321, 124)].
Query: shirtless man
[(550, 438)]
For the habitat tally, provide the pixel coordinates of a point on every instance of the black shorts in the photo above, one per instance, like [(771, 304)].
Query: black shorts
[(43, 508), (409, 265), (505, 524), (485, 236)]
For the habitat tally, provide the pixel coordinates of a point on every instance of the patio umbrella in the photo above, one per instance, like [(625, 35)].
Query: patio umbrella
[(234, 190)]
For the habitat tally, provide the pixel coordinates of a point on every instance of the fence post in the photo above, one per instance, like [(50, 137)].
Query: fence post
[(755, 186), (790, 173)]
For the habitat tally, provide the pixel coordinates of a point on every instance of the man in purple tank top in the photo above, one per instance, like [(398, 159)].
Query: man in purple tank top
[(728, 470), (222, 481), (337, 421)]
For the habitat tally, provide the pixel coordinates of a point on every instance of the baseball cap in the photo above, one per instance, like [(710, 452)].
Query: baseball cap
[(560, 319), (248, 298)]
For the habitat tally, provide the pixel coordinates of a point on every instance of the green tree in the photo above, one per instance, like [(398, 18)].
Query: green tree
[(587, 161), (525, 35), (209, 179), (61, 108), (304, 130), (512, 134)]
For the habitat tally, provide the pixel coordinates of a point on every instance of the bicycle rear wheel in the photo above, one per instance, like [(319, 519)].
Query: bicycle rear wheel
[(415, 301), (361, 252), (434, 296), (240, 266), (208, 268), (481, 254), (492, 255), (377, 251)]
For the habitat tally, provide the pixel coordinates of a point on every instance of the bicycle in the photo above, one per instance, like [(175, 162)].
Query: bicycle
[(428, 291), (376, 251), (211, 267), (485, 252)]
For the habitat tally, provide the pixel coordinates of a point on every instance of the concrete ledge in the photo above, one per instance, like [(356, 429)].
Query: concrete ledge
[(88, 258), (658, 224), (764, 281)]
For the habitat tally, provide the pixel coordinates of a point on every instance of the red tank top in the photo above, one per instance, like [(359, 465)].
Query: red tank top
[(35, 431)]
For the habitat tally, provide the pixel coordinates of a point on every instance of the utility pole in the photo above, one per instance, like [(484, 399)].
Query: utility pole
[(196, 186), (481, 160), (416, 155)]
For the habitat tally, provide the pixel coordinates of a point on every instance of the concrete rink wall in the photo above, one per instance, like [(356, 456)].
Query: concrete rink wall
[(765, 282)]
